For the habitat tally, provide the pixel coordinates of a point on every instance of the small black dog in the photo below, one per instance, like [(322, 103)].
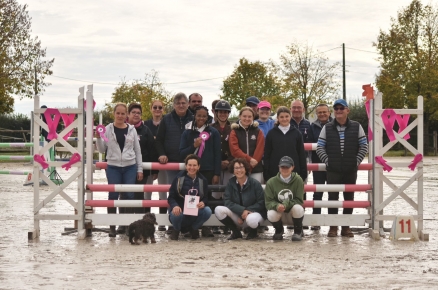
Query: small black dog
[(144, 228)]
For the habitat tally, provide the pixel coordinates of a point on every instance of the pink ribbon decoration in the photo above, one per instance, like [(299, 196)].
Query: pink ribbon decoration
[(68, 119), (388, 118), (370, 129), (204, 136), (74, 159), (40, 159), (381, 161), (414, 162), (402, 121), (101, 130), (52, 123)]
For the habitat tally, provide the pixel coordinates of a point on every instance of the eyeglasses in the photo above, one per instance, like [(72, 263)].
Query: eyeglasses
[(157, 107), (239, 168), (339, 108), (135, 113), (180, 104)]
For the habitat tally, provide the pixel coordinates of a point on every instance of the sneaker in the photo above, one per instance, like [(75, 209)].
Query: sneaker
[(297, 237), (206, 232), (174, 235), (235, 235), (161, 228), (315, 228)]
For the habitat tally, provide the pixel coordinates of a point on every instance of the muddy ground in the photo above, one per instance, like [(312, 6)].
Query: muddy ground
[(56, 261)]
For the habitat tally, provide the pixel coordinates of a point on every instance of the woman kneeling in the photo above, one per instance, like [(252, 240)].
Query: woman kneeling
[(189, 191), (244, 201)]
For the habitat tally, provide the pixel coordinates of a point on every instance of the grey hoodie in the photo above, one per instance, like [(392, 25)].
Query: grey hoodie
[(131, 151)]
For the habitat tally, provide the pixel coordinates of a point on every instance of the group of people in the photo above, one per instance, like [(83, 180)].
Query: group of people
[(241, 155)]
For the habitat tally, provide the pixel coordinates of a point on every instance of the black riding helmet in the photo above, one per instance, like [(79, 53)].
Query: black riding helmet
[(222, 105)]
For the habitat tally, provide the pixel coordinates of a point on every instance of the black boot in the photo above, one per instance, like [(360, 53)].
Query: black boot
[(298, 229), (112, 231), (235, 233), (174, 235), (252, 234), (194, 233), (279, 230)]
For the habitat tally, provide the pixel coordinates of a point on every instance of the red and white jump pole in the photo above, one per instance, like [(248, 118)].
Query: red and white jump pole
[(163, 203)]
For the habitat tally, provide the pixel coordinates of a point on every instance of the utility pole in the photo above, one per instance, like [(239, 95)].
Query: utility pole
[(36, 82), (344, 89)]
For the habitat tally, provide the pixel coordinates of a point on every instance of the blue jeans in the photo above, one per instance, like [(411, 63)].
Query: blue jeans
[(121, 175), (189, 220)]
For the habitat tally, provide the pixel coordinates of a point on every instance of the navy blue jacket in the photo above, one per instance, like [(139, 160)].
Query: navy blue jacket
[(177, 198), (315, 130), (169, 135), (211, 157)]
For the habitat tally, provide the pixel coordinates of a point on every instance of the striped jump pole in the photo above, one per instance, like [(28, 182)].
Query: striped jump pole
[(19, 145), (310, 146), (11, 172), (163, 203), (165, 187), (12, 157), (181, 166)]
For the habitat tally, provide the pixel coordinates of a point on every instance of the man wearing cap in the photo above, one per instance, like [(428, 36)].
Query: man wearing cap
[(284, 200), (319, 177), (342, 145), (253, 102), (265, 121)]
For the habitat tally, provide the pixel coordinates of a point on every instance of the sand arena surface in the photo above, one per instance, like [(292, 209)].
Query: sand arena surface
[(55, 261)]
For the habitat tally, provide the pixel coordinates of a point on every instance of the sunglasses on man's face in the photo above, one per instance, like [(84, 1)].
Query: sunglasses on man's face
[(339, 108), (157, 107)]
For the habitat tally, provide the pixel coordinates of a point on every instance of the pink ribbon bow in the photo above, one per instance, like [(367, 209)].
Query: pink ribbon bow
[(204, 136), (74, 158), (40, 159), (101, 130), (414, 162), (381, 161), (52, 123), (68, 119), (85, 104), (370, 129), (388, 118), (402, 121)]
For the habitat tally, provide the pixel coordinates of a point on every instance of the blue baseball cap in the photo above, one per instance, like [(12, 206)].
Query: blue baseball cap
[(340, 102), (252, 100)]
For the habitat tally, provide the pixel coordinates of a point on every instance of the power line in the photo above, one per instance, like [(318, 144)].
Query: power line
[(105, 83), (362, 50)]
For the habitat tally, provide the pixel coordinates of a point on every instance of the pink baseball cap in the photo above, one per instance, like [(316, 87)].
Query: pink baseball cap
[(264, 104)]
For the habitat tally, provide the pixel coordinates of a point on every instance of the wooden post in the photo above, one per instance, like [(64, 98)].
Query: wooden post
[(434, 143)]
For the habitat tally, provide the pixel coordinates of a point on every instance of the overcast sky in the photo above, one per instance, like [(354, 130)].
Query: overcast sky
[(100, 42)]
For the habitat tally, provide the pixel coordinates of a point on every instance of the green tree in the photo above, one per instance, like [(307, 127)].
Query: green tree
[(409, 61), (249, 79), (21, 56), (306, 75), (142, 91)]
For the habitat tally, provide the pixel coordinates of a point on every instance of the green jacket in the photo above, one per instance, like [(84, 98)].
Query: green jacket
[(278, 192)]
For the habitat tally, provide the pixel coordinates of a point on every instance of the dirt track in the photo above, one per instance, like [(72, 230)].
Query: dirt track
[(63, 262)]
